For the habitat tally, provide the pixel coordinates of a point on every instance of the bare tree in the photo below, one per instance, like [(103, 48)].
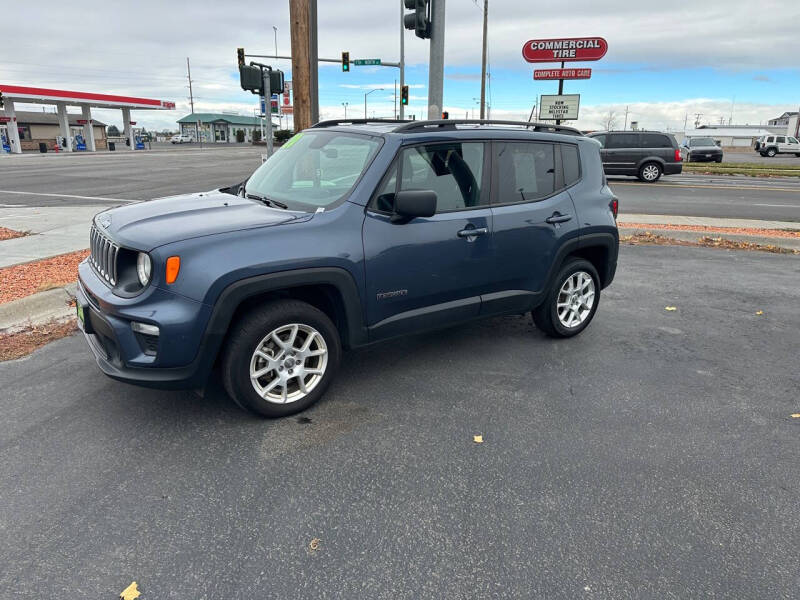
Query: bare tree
[(610, 120)]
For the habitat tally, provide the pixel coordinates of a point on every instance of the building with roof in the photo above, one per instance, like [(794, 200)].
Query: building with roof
[(10, 95), (218, 127), (36, 127), (735, 136), (783, 120)]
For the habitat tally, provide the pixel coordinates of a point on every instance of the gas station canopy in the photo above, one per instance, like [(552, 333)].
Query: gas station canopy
[(86, 100)]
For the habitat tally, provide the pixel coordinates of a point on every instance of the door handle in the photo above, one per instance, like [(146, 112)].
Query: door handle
[(558, 218), (468, 233)]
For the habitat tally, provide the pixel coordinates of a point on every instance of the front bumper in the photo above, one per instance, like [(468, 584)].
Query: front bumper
[(702, 156), (176, 360)]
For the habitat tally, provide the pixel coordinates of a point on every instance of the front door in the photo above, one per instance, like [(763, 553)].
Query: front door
[(533, 214), (429, 272)]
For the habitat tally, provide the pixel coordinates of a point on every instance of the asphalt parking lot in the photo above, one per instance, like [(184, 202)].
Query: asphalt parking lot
[(654, 456)]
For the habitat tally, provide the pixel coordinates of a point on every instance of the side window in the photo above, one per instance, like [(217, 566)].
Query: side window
[(601, 139), (792, 140), (570, 163), (770, 139), (781, 140), (384, 199), (655, 140), (525, 171), (454, 171), (623, 140)]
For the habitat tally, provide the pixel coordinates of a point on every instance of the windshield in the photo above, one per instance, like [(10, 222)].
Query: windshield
[(314, 169), (702, 142)]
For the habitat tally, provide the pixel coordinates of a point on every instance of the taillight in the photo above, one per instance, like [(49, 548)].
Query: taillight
[(678, 157), (614, 206)]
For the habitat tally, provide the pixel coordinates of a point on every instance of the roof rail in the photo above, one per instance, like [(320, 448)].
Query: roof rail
[(423, 126), (334, 122)]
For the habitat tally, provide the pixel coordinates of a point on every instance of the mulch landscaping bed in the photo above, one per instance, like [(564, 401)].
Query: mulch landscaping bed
[(26, 279), (778, 233), (23, 342), (10, 234), (705, 241)]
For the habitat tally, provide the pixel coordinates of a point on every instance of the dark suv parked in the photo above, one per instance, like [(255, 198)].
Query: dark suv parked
[(351, 233), (644, 154)]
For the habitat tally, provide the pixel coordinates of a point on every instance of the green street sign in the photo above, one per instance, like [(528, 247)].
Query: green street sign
[(366, 61)]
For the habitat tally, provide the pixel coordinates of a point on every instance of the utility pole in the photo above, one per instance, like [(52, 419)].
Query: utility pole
[(685, 120), (625, 127), (313, 59), (436, 61), (395, 98), (301, 63), (191, 95), (345, 104), (697, 120), (483, 58), (275, 29), (402, 58)]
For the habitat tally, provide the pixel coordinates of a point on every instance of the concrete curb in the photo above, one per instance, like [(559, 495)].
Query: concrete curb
[(37, 308)]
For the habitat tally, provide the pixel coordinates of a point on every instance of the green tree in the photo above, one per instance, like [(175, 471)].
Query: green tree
[(239, 135)]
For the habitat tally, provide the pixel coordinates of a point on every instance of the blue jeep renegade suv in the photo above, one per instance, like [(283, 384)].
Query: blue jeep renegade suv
[(353, 232)]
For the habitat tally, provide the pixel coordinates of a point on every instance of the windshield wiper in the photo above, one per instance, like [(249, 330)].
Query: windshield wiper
[(267, 201)]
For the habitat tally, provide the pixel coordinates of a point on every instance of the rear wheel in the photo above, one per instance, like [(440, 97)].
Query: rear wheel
[(572, 302), (650, 172), (280, 358), (771, 152)]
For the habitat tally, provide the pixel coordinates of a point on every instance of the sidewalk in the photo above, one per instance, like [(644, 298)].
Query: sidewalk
[(54, 230)]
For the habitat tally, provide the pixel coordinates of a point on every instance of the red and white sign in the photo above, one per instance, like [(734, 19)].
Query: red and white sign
[(287, 87), (82, 121), (564, 49), (562, 74), (47, 95), (5, 119), (287, 110), (133, 122)]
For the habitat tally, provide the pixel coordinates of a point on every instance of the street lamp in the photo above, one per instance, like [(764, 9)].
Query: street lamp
[(365, 99), (275, 29), (345, 104)]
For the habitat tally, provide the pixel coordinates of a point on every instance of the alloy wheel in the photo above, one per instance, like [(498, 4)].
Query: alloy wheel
[(650, 172), (575, 299), (288, 363)]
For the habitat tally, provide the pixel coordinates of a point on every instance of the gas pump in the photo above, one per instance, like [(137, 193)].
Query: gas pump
[(80, 143), (6, 146), (137, 139)]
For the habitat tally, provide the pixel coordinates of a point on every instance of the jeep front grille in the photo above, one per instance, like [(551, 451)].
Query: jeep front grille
[(103, 256)]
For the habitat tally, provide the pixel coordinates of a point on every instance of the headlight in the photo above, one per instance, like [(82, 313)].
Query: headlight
[(144, 267)]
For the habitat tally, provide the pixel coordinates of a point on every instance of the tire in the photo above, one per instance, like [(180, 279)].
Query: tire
[(289, 320), (764, 154), (650, 172), (546, 315), (772, 152), (797, 154), (719, 160)]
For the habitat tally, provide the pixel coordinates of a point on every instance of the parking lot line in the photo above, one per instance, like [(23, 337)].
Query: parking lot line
[(67, 196)]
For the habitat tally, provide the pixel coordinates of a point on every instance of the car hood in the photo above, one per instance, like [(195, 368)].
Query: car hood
[(147, 225)]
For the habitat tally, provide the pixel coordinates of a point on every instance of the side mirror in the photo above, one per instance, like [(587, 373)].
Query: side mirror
[(414, 203)]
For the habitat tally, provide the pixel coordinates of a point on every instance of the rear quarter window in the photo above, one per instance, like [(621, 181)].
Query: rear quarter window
[(571, 164), (656, 140)]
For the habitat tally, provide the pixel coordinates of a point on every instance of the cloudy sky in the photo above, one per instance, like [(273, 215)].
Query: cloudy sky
[(665, 61)]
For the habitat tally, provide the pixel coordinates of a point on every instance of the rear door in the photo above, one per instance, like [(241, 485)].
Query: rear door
[(533, 215), (659, 145), (780, 142), (429, 271), (623, 153)]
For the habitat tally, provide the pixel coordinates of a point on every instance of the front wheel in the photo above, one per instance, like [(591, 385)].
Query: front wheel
[(280, 358), (572, 301), (650, 172)]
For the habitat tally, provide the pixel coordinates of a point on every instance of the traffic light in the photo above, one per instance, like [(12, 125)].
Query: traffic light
[(276, 82), (2, 102), (240, 55), (419, 20), (251, 79), (445, 115), (404, 95), (345, 61)]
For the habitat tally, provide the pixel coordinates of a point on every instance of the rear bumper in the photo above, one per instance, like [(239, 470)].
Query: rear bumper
[(674, 168)]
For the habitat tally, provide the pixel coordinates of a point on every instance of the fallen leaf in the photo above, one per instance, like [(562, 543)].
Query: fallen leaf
[(478, 439), (314, 544), (796, 416), (670, 308), (130, 593), (759, 312)]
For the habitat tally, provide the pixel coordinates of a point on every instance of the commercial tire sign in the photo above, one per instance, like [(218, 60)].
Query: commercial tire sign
[(564, 49), (559, 108)]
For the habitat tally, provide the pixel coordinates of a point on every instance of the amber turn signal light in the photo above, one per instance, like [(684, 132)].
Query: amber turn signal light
[(173, 268)]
